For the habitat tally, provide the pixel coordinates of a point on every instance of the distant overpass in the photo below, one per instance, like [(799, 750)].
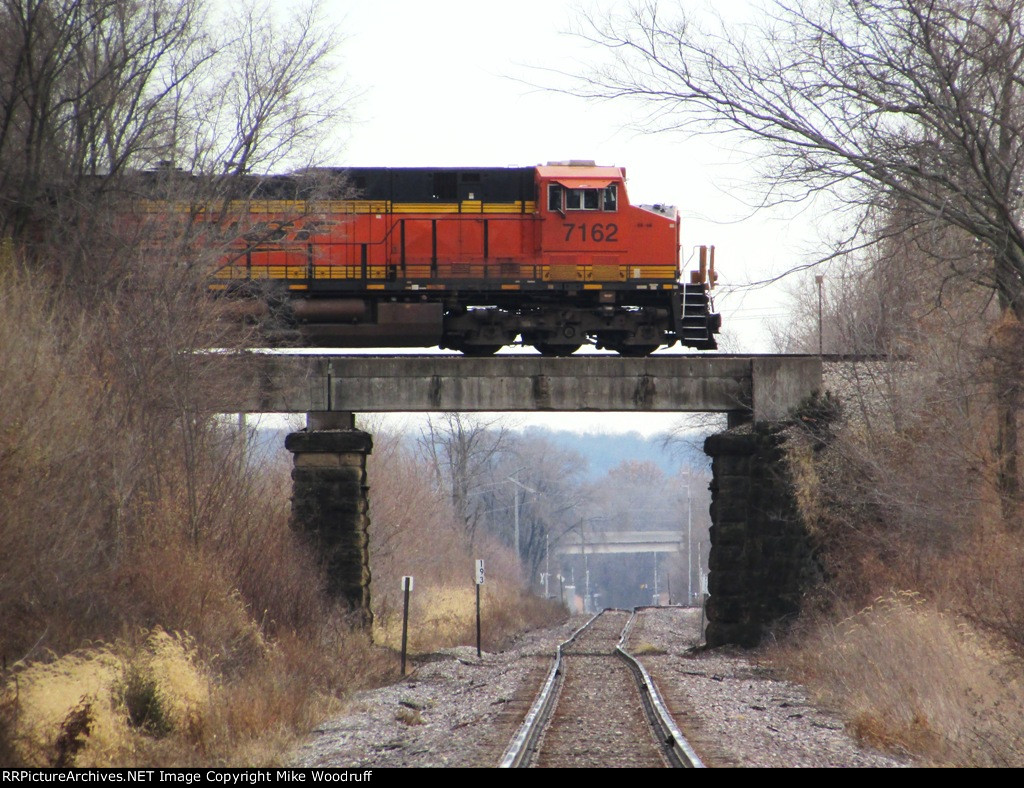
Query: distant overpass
[(621, 542)]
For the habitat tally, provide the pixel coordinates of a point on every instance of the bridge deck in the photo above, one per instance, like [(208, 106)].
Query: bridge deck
[(768, 385)]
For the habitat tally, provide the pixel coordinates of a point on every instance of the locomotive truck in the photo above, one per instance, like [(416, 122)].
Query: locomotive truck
[(472, 259)]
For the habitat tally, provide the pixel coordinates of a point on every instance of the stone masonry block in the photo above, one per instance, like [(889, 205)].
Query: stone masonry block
[(760, 556), (330, 460), (329, 441)]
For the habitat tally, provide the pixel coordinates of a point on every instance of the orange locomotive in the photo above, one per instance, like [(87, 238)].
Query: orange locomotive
[(472, 258)]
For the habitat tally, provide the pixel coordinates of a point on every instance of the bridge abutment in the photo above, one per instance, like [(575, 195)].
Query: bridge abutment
[(330, 506), (761, 561)]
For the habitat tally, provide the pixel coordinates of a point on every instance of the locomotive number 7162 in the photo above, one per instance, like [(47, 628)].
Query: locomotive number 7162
[(601, 233)]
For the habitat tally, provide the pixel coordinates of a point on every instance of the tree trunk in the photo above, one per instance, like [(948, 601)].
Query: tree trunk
[(1008, 379)]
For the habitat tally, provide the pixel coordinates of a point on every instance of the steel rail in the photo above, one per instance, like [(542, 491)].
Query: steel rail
[(677, 751), (525, 741)]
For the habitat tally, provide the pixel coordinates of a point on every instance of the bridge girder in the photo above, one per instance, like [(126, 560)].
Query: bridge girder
[(766, 386)]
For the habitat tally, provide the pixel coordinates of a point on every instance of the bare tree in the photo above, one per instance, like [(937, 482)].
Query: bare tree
[(102, 103), (881, 301), (535, 498), (112, 164), (279, 102), (461, 451), (876, 102), (83, 98)]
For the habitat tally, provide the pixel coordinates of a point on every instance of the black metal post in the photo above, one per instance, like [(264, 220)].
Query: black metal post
[(405, 627)]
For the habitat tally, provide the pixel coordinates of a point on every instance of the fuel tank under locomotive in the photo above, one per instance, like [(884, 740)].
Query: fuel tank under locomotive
[(360, 322)]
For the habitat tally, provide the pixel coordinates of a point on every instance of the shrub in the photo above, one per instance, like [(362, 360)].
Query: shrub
[(144, 703), (73, 733)]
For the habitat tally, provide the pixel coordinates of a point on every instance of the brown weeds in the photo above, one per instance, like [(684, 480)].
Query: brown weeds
[(913, 679)]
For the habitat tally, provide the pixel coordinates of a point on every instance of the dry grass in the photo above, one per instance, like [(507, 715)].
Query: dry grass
[(913, 679), (907, 510), (158, 704), (645, 649), (255, 719), (438, 617), (443, 617), (409, 716), (110, 683), (415, 532), (904, 497), (128, 514), (914, 490), (985, 578)]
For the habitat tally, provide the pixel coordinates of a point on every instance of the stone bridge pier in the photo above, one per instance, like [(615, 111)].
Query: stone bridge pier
[(761, 561), (330, 504), (760, 553)]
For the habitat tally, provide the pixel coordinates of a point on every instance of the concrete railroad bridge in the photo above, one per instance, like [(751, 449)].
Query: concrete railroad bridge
[(756, 553)]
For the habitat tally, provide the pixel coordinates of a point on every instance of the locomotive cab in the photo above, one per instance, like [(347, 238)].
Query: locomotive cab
[(589, 225)]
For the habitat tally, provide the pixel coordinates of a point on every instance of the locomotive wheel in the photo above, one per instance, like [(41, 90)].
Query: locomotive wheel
[(477, 351), (546, 349), (636, 351)]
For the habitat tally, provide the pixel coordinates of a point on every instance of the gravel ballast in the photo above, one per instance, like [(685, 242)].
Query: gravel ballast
[(455, 710)]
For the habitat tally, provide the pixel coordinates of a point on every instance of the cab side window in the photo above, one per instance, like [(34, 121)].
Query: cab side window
[(610, 198), (555, 197), (582, 199)]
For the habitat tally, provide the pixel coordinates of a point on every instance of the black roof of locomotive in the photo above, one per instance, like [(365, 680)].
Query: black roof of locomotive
[(397, 184), (437, 184)]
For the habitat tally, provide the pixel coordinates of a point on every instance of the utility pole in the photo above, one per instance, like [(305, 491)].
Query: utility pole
[(243, 439), (656, 600), (515, 510), (588, 605), (547, 563), (820, 278), (689, 549), (586, 568)]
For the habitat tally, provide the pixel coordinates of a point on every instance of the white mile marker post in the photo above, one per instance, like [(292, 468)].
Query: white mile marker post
[(479, 582)]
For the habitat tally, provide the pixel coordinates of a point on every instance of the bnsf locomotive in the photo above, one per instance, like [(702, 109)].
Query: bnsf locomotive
[(473, 258)]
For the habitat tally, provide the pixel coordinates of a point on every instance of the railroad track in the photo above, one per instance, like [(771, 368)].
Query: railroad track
[(599, 708)]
